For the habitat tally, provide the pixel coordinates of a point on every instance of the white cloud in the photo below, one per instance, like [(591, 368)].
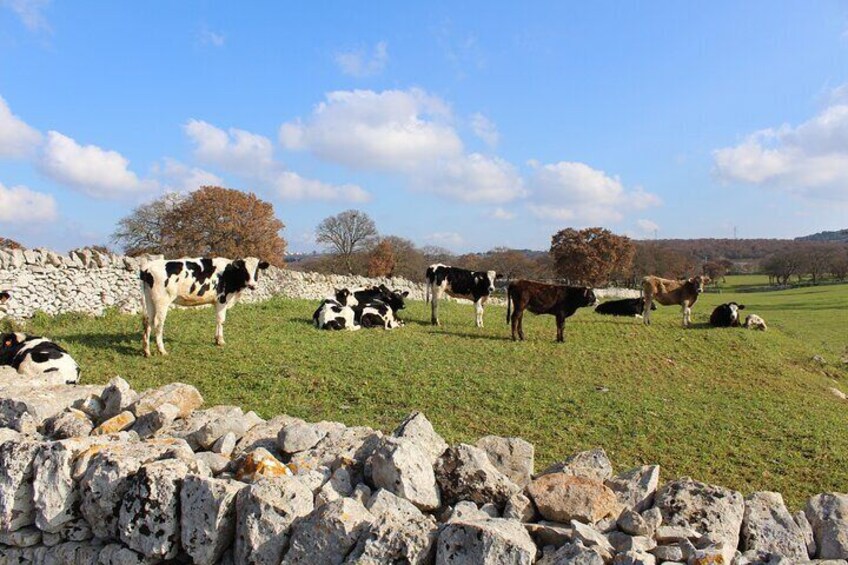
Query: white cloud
[(179, 177), (90, 169), (30, 13), (573, 191), (291, 186), (473, 178), (20, 205), (448, 239), (501, 214), (810, 159), (647, 227), (393, 130), (17, 139), (208, 37), (234, 150), (359, 63), (485, 129)]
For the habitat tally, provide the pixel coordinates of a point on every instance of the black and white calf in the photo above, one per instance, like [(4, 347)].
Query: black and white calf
[(337, 313), (476, 286), (726, 315), (193, 282), (631, 307), (395, 299), (38, 358), (377, 314)]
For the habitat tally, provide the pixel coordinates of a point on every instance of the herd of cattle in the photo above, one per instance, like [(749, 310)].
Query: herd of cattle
[(221, 282)]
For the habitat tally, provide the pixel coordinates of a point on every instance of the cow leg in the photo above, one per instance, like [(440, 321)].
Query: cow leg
[(646, 312), (478, 307), (518, 323), (159, 316), (687, 314), (436, 295), (560, 324), (220, 318), (147, 322)]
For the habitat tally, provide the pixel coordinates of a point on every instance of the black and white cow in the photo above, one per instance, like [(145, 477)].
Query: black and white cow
[(4, 298), (476, 286), (726, 315), (631, 307), (193, 282), (395, 299), (377, 314), (337, 313), (38, 358)]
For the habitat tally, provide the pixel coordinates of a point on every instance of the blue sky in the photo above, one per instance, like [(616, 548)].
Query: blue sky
[(470, 127)]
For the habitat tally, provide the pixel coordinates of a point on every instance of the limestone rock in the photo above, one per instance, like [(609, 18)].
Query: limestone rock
[(828, 516), (631, 522), (396, 538), (147, 425), (624, 542), (710, 510), (16, 492), (115, 424), (259, 463), (265, 512), (300, 436), (485, 542), (768, 526), (347, 446), (807, 530), (594, 539), (593, 464), (417, 427), (402, 467), (512, 456), (24, 407), (635, 558), (149, 520), (573, 554), (553, 534), (328, 534), (208, 517), (66, 424), (464, 472), (183, 396), (225, 444), (562, 497), (338, 486), (233, 422), (216, 462), (263, 434), (636, 488), (116, 397), (520, 508)]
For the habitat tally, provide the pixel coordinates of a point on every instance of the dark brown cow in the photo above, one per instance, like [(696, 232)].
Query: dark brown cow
[(667, 292), (541, 298)]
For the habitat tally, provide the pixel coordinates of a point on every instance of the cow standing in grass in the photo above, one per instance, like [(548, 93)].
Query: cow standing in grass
[(542, 298), (193, 282), (476, 286), (668, 292)]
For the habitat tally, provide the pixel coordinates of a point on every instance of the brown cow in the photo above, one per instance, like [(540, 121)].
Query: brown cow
[(668, 292), (541, 298)]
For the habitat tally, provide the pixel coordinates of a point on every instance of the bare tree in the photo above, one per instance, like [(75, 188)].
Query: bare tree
[(141, 232), (346, 233)]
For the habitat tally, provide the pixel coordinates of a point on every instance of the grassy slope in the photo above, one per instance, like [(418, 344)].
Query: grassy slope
[(743, 409)]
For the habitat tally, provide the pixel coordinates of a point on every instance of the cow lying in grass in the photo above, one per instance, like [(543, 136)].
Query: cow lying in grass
[(38, 358), (726, 315), (193, 282), (754, 322), (668, 292), (336, 313), (541, 298), (630, 307)]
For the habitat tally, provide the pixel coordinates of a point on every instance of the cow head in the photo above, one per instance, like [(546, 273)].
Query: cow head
[(491, 276), (394, 298), (589, 298), (734, 312), (4, 297), (251, 267), (345, 297), (699, 282), (9, 345)]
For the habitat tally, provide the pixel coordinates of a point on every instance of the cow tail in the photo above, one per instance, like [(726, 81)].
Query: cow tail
[(508, 304)]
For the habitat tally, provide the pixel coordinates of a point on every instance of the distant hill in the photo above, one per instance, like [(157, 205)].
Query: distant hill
[(840, 236)]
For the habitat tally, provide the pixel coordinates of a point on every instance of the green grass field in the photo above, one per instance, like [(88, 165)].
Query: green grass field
[(749, 410)]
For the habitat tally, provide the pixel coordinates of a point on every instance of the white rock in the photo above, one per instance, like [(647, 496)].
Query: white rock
[(403, 467), (208, 517), (636, 488), (17, 508), (417, 427), (593, 464), (464, 472), (328, 534), (485, 542), (512, 456), (768, 526), (710, 510), (828, 516)]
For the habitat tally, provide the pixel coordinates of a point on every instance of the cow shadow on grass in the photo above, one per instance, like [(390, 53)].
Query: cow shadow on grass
[(470, 335), (125, 344)]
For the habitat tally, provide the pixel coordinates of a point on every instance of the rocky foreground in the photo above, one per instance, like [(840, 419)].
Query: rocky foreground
[(113, 476)]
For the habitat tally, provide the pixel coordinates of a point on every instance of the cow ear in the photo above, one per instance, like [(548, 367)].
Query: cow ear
[(264, 265), (499, 276), (239, 263), (741, 307), (405, 293)]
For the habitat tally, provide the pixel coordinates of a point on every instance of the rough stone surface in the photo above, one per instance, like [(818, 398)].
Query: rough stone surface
[(591, 537), (710, 510), (16, 491), (485, 542), (147, 425), (264, 435), (636, 488), (300, 436), (828, 517), (520, 507), (116, 397), (328, 534), (573, 554), (66, 424), (593, 464), (464, 472), (259, 463), (417, 427), (233, 422), (24, 407), (563, 497), (768, 526), (512, 456), (149, 521), (402, 467), (265, 512), (208, 517), (346, 446), (183, 396), (115, 424)]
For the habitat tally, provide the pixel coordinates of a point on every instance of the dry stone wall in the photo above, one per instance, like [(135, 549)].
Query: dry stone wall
[(90, 282), (109, 475)]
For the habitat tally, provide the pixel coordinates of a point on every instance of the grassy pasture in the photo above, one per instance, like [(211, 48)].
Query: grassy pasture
[(749, 410)]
